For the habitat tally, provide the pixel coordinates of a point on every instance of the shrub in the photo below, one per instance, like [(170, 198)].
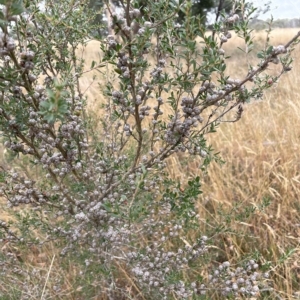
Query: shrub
[(100, 192)]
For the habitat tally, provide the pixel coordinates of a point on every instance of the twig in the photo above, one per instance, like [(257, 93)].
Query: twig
[(47, 277)]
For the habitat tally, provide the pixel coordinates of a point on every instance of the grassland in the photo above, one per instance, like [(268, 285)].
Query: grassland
[(262, 154)]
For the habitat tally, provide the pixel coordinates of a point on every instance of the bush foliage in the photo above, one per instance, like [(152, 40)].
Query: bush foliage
[(97, 188)]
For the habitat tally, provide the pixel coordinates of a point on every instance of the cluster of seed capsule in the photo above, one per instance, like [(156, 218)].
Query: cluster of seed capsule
[(26, 60), (22, 191), (238, 281), (153, 266)]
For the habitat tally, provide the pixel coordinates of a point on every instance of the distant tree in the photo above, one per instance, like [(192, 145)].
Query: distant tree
[(198, 8), (97, 7), (222, 5), (100, 17)]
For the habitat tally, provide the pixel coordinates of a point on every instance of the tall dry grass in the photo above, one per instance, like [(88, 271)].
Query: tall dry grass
[(262, 154)]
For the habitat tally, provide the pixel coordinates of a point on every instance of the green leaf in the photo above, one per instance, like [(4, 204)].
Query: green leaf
[(223, 67), (269, 50), (260, 55), (3, 177), (17, 7), (3, 22), (55, 107), (93, 64), (144, 170)]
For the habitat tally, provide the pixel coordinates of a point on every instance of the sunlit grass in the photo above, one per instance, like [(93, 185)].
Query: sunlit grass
[(262, 154)]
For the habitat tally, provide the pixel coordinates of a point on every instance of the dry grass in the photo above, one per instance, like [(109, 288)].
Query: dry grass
[(262, 154)]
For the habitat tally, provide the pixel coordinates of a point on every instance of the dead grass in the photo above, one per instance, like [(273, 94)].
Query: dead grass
[(262, 154)]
